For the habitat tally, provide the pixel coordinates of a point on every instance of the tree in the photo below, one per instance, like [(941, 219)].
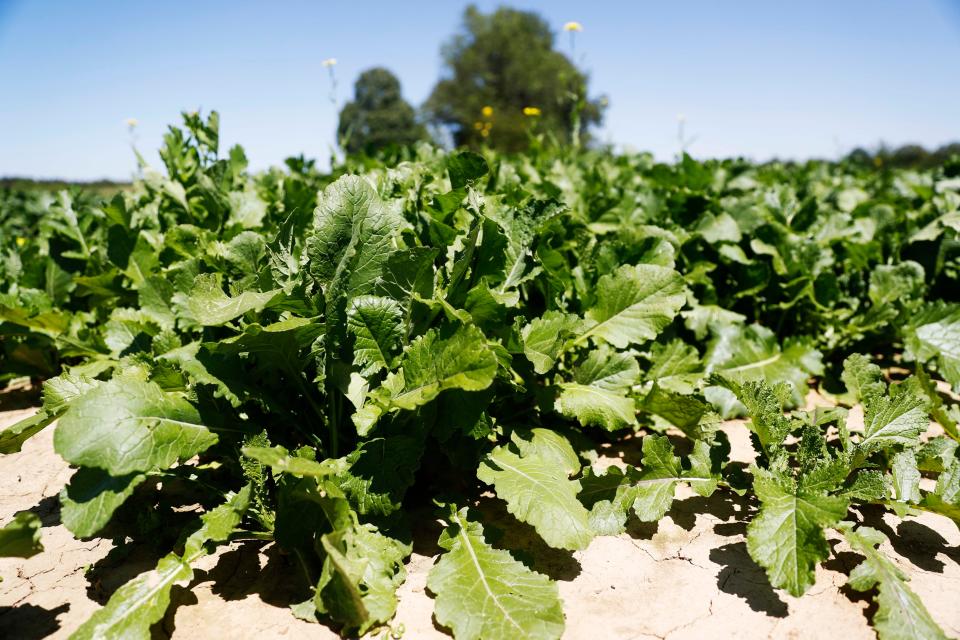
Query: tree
[(378, 117), (503, 77)]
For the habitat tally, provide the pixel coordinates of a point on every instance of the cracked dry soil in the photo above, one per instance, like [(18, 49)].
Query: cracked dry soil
[(688, 576)]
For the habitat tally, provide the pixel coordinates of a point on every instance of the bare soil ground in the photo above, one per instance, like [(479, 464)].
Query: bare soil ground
[(689, 576)]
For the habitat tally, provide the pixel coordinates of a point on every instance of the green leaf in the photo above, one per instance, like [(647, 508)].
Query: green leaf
[(482, 592), (786, 537), (752, 353), (58, 394), (360, 576), (935, 333), (544, 338), (609, 497), (61, 391), (682, 411), (431, 365), (654, 488), (634, 304), (599, 393), (20, 538), (896, 283), (280, 460), (900, 613), (138, 604), (906, 477), (539, 492), (863, 379), (92, 496), (208, 306), (352, 233), (894, 420), (381, 470), (128, 425), (465, 167), (377, 327), (764, 405), (13, 437)]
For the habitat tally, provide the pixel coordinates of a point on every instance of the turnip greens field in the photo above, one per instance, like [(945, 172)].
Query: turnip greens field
[(318, 359)]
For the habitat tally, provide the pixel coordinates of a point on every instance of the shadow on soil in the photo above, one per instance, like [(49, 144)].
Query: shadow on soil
[(30, 622), (914, 541), (20, 398)]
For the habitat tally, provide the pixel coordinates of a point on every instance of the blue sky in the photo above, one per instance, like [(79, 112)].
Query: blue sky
[(758, 79)]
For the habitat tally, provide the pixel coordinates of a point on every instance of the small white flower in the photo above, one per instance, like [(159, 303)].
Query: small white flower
[(681, 118), (131, 122), (329, 62)]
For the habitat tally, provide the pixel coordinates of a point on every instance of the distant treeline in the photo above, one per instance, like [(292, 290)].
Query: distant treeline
[(908, 156), (100, 187)]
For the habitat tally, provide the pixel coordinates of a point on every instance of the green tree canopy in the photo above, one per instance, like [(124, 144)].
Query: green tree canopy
[(378, 116), (500, 65)]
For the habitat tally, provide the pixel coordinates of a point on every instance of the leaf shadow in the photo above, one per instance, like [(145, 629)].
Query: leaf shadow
[(48, 510), (914, 541), (20, 397), (29, 621), (844, 562), (127, 559), (742, 577)]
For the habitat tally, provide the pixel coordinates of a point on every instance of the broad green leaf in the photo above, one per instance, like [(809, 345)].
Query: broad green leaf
[(20, 537), (137, 605), (430, 365), (377, 327), (539, 492), (906, 477), (934, 333), (92, 496), (128, 425), (599, 392), (609, 497), (380, 472), (61, 391), (544, 337), (896, 283), (207, 305), (900, 613), (752, 353), (786, 537), (654, 488), (863, 379), (360, 576), (894, 420), (482, 592), (682, 411), (634, 304), (352, 233)]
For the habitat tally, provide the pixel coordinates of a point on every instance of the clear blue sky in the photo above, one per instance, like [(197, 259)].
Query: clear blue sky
[(760, 79)]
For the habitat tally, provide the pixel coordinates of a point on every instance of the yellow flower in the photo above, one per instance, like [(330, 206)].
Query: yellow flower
[(531, 111), (573, 26), (487, 111), (329, 62), (21, 242), (478, 125), (485, 133), (131, 122)]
